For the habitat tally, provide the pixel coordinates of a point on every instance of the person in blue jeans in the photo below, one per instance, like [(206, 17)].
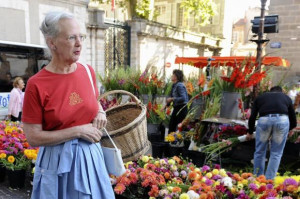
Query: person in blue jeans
[(276, 118), (179, 97)]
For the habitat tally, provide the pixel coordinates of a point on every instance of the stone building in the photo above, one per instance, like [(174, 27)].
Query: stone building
[(288, 36)]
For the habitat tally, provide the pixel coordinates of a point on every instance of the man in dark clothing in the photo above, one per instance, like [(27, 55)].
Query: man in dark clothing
[(276, 118)]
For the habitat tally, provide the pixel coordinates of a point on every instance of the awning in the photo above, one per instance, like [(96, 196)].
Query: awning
[(201, 62)]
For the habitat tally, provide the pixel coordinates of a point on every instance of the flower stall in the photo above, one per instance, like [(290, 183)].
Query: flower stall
[(227, 95)]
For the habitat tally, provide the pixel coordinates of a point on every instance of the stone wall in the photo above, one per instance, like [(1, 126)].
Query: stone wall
[(289, 36)]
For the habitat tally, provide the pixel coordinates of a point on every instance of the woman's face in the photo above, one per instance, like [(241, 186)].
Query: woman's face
[(21, 84), (68, 43), (174, 78)]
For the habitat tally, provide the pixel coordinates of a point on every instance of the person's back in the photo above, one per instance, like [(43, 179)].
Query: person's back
[(273, 102)]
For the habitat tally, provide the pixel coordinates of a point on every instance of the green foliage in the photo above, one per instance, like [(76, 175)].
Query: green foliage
[(201, 10), (21, 162)]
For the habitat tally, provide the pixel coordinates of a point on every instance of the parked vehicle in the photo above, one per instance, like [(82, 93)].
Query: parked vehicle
[(17, 59)]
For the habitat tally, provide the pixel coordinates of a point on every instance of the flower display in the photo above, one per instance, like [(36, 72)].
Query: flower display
[(241, 76), (177, 178), (15, 152)]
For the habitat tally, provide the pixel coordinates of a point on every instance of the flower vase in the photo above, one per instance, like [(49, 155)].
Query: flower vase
[(158, 149), (152, 128), (230, 105), (144, 98), (2, 173), (198, 106), (16, 178), (176, 149), (161, 99)]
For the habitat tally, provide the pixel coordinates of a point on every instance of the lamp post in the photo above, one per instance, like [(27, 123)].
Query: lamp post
[(260, 42)]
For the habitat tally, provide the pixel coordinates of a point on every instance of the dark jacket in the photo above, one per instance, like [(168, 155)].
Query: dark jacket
[(272, 103), (179, 94)]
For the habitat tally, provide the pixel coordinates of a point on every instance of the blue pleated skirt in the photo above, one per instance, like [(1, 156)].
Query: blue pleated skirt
[(72, 170)]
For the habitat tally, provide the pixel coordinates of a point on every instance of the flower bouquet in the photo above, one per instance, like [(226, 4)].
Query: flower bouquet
[(175, 139), (242, 76), (217, 148)]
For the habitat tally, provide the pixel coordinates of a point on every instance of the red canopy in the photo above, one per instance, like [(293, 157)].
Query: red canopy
[(201, 62)]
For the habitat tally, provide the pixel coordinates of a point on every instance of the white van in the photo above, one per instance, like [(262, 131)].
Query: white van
[(17, 60)]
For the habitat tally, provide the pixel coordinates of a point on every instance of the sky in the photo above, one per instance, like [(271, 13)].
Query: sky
[(241, 5)]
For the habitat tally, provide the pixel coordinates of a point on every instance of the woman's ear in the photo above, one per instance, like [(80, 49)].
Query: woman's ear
[(51, 44)]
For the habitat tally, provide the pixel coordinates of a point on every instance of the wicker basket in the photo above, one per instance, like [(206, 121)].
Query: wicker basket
[(131, 139)]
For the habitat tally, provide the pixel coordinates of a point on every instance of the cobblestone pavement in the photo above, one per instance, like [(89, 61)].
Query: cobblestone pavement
[(8, 193)]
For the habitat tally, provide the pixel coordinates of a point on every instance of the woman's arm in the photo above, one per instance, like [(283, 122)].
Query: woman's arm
[(36, 136), (100, 120), (12, 103)]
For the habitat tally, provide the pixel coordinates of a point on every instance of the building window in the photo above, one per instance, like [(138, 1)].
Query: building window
[(180, 16), (160, 10), (235, 35)]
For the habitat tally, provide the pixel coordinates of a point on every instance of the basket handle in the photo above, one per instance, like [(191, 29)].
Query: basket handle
[(135, 99)]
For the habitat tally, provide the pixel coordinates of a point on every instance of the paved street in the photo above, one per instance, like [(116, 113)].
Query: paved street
[(9, 193)]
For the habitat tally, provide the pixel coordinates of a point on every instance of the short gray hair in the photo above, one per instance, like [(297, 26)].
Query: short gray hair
[(49, 26)]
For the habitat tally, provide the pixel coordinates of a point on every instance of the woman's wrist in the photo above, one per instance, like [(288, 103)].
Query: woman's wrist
[(102, 112)]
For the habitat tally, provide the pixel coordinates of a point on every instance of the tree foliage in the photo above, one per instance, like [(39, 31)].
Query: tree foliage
[(135, 8), (202, 10)]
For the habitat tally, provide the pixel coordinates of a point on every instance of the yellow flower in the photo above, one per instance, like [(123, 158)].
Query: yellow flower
[(127, 164), (2, 155), (151, 198), (215, 171), (223, 173), (240, 185), (34, 156), (172, 162), (145, 158), (278, 180), (197, 170), (217, 183), (179, 136), (174, 168), (184, 196), (170, 188), (244, 182), (145, 166), (11, 159), (209, 175), (170, 138), (156, 163)]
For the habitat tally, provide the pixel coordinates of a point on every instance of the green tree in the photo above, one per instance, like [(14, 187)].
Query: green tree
[(202, 10), (143, 9)]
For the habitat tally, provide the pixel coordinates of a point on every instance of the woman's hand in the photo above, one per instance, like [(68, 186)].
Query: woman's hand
[(100, 120), (90, 133), (169, 100)]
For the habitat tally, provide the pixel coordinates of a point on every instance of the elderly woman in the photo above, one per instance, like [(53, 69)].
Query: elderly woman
[(16, 100), (179, 97), (61, 114)]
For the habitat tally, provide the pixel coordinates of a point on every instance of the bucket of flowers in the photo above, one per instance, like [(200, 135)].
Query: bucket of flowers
[(13, 144)]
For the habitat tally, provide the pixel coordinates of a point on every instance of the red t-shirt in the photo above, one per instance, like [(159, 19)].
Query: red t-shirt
[(59, 101)]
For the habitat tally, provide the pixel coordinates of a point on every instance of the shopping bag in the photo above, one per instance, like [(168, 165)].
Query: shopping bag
[(113, 158)]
